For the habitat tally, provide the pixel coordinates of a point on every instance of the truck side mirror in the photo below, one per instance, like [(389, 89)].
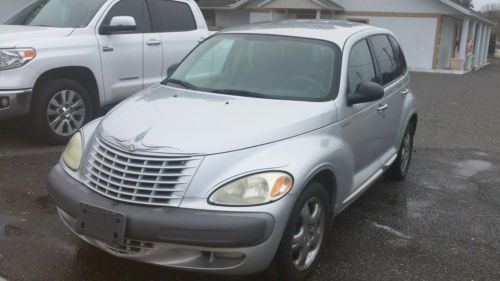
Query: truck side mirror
[(366, 92), (171, 69), (119, 24)]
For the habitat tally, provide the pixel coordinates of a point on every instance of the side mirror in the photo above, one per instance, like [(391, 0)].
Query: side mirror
[(119, 24), (367, 92), (171, 69)]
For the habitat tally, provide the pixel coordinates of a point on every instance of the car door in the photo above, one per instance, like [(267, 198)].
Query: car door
[(178, 30), (122, 53), (391, 77), (361, 123)]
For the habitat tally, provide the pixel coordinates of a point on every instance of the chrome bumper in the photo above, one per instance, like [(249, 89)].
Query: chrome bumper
[(14, 103)]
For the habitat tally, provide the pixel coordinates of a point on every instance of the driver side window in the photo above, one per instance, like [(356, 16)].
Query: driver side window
[(212, 63), (131, 8), (361, 68)]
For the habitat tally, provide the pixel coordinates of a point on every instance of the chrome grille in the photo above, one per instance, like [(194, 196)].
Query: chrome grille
[(155, 180)]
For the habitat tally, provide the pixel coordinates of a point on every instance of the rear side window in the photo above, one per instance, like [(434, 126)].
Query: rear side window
[(399, 54), (386, 58), (361, 68), (131, 8), (173, 16)]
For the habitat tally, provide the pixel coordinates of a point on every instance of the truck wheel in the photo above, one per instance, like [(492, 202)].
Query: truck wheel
[(60, 108), (399, 169), (304, 235)]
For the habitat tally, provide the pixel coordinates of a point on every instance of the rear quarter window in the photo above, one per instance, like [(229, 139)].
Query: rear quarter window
[(173, 16), (399, 54), (386, 57)]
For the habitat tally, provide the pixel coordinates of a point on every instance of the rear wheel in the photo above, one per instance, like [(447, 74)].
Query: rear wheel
[(399, 169), (60, 108), (304, 235)]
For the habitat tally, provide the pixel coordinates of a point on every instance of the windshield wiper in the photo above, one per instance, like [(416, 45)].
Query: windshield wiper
[(241, 93), (184, 84)]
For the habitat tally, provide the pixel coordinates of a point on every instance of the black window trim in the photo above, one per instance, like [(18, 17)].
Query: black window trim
[(146, 9)]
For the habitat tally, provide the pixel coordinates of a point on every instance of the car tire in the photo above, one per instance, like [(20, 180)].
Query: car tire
[(60, 107), (399, 169), (289, 263)]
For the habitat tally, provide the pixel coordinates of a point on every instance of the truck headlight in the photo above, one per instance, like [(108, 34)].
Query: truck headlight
[(254, 189), (14, 58), (73, 153)]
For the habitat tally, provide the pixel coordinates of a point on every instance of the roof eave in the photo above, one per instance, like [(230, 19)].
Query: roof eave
[(468, 12)]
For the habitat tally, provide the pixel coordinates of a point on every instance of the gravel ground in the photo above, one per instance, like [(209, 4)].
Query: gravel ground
[(440, 224)]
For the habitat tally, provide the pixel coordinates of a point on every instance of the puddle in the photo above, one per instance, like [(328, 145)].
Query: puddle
[(391, 230), (470, 168)]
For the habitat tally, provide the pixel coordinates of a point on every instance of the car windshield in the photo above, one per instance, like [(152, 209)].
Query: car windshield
[(57, 13), (262, 66)]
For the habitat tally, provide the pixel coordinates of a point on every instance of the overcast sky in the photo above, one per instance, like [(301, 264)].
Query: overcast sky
[(478, 4)]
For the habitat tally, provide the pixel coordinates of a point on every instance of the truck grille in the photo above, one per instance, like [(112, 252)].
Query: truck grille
[(155, 180)]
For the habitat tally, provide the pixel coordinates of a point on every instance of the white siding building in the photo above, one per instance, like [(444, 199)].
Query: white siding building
[(435, 34)]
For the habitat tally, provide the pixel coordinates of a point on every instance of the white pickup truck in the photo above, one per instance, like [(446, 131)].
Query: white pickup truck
[(61, 61)]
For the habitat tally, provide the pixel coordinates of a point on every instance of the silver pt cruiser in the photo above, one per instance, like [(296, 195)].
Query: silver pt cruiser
[(240, 159)]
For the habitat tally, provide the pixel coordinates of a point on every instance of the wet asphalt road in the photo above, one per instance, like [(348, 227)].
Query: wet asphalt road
[(442, 223)]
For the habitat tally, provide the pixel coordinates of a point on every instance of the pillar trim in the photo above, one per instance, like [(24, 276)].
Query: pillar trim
[(464, 37)]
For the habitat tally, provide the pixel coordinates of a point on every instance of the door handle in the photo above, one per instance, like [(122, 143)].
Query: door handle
[(154, 42), (382, 107), (405, 91), (108, 49)]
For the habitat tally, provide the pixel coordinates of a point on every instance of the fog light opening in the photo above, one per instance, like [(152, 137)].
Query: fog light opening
[(213, 256), (4, 102)]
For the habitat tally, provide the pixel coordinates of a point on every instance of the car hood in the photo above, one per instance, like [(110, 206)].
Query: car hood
[(12, 36), (179, 121)]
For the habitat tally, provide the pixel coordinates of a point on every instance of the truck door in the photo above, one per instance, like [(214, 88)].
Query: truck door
[(122, 52), (179, 30)]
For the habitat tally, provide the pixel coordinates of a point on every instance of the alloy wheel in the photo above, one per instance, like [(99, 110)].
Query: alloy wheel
[(406, 151), (308, 234), (66, 112)]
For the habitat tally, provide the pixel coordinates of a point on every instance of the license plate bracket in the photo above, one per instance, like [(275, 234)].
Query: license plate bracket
[(102, 224)]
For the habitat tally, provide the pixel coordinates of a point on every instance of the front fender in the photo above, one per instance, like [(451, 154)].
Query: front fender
[(302, 156)]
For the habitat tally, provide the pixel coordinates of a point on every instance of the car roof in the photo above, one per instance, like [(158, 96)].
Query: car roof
[(330, 30)]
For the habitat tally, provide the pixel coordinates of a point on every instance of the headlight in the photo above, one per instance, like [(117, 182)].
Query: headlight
[(73, 152), (255, 189), (14, 58)]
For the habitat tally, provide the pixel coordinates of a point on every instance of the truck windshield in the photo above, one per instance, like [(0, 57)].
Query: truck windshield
[(57, 13), (262, 66)]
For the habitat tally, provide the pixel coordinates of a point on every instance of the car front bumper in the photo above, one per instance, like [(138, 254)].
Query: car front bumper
[(216, 241), (14, 103)]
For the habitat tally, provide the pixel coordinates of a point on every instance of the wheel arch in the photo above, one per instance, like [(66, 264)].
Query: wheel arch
[(326, 176), (80, 74)]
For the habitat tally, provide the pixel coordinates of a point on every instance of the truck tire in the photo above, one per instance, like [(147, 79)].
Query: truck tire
[(304, 236), (60, 107)]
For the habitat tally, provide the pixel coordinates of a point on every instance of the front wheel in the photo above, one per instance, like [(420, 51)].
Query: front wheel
[(304, 235), (59, 109)]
